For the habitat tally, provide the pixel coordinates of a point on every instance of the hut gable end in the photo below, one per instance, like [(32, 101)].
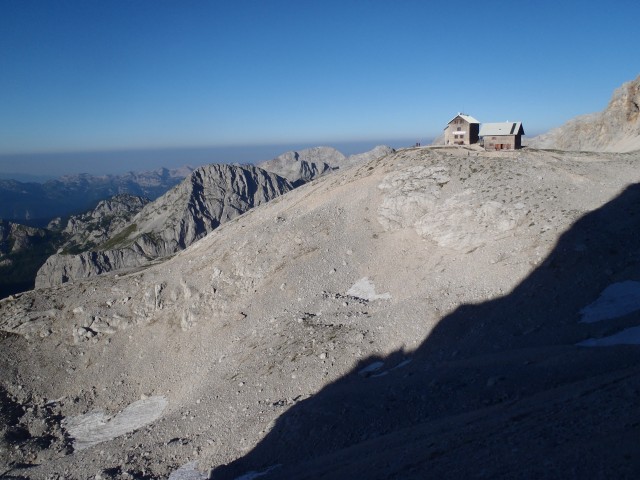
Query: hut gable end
[(462, 130)]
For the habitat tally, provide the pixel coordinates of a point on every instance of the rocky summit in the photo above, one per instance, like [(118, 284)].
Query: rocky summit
[(210, 196), (616, 129), (90, 229), (432, 313)]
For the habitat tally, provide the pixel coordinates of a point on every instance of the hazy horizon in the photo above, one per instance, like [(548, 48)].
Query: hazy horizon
[(41, 166), (97, 78)]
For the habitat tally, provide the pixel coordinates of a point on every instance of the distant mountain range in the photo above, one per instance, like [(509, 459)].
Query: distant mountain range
[(210, 196), (129, 230), (25, 177), (36, 204)]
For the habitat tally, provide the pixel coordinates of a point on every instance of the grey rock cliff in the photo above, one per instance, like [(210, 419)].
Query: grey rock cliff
[(615, 129), (210, 196), (90, 229)]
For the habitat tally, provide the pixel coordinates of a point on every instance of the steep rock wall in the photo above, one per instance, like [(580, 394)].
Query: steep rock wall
[(210, 196)]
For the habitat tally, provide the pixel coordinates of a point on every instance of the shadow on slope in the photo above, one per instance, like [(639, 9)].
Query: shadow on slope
[(498, 390)]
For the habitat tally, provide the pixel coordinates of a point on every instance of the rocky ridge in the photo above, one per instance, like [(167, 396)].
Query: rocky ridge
[(90, 229), (306, 165), (96, 252), (350, 330), (615, 129), (210, 196)]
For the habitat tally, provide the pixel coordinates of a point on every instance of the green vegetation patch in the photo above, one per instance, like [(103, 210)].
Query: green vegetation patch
[(119, 240)]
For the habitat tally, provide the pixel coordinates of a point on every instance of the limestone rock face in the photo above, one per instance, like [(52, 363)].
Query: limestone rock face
[(616, 129), (415, 197), (306, 165), (16, 238), (90, 229), (210, 196)]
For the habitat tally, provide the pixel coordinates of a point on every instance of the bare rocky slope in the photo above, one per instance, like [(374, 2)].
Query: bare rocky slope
[(210, 196), (101, 240), (616, 129), (438, 312)]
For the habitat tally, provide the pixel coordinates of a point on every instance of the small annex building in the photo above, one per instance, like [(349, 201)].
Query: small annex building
[(462, 130), (501, 136)]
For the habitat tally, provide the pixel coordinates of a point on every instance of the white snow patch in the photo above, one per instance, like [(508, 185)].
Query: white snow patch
[(378, 365), (97, 426), (188, 472), (402, 364), (615, 301), (365, 289), (375, 366), (628, 336), (253, 474)]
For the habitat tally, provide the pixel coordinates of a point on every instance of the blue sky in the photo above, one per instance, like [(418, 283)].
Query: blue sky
[(97, 75)]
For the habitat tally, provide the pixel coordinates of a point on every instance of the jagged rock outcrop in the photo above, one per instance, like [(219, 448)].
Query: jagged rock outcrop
[(616, 129), (210, 196), (306, 165), (88, 230)]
